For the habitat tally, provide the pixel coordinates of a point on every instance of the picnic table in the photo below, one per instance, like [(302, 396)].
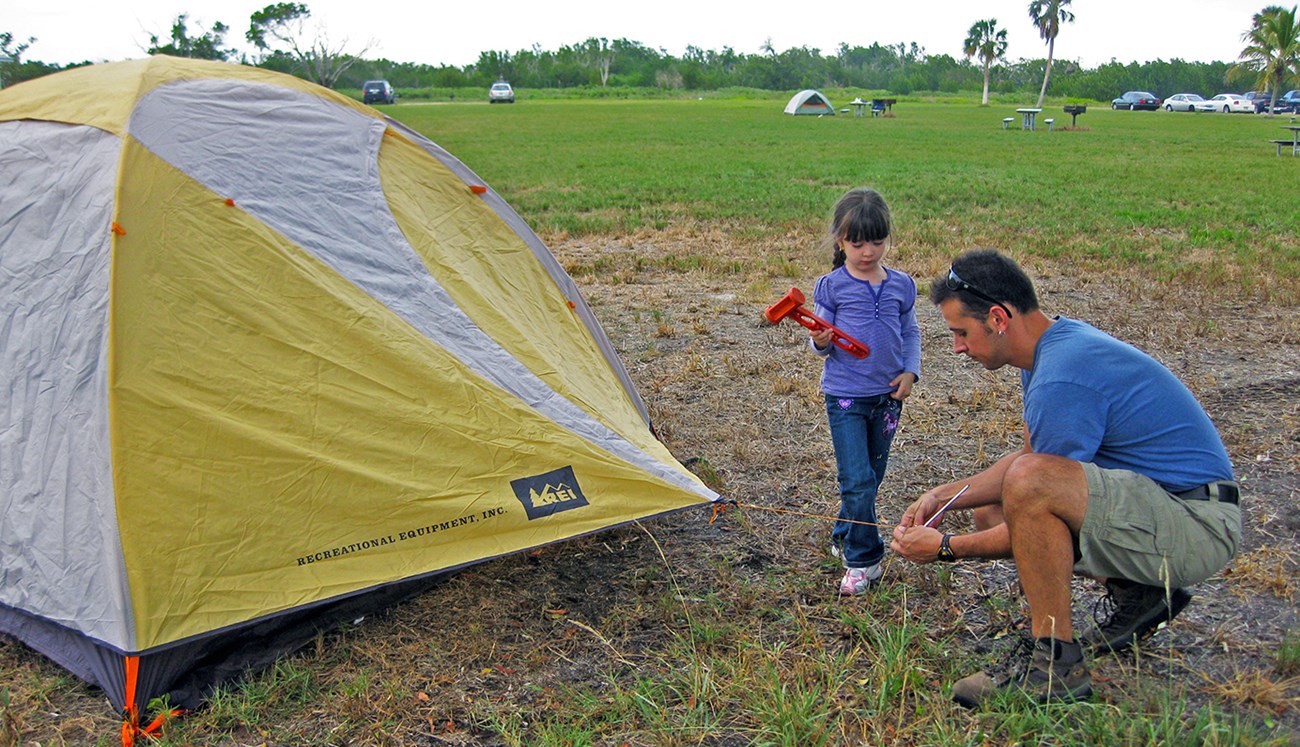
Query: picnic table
[(859, 107), (1027, 117), (1293, 143), (879, 106)]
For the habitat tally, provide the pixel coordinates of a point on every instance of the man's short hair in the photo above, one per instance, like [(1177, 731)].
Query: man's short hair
[(994, 274)]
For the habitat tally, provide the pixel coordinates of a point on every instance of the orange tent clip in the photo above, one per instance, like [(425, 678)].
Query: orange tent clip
[(131, 728)]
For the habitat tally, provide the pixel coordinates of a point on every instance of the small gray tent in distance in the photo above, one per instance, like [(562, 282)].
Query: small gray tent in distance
[(809, 101)]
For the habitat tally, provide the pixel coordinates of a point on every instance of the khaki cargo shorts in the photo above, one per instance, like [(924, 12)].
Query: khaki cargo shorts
[(1135, 530)]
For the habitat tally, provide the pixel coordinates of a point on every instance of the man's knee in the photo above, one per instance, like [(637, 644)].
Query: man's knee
[(1044, 482)]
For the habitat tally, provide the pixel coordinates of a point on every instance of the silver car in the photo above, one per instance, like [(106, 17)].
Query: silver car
[(1182, 102), (501, 92)]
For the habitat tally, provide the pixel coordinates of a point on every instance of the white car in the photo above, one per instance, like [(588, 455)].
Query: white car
[(1227, 103), (501, 91), (1182, 102)]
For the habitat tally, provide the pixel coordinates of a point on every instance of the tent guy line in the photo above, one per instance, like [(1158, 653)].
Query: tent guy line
[(719, 507)]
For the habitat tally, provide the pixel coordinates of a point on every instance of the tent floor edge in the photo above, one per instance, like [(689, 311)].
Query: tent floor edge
[(185, 673)]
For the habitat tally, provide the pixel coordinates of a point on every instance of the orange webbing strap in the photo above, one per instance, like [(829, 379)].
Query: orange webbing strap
[(719, 507), (131, 722)]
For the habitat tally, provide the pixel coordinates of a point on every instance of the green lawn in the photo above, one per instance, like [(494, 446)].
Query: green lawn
[(1181, 193)]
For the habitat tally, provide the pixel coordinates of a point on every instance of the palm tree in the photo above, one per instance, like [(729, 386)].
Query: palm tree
[(990, 43), (1048, 15), (1272, 51)]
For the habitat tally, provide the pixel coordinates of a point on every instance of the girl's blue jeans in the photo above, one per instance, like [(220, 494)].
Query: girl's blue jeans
[(862, 430)]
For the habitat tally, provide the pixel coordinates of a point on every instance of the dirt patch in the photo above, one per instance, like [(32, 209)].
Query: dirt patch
[(530, 633), (743, 395)]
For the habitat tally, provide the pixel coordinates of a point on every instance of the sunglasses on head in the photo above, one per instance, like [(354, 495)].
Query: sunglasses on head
[(955, 283)]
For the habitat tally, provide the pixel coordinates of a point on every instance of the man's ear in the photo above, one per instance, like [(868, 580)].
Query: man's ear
[(1000, 318)]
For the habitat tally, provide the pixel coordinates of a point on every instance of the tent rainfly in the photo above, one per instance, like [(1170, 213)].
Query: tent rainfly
[(809, 101), (267, 358)]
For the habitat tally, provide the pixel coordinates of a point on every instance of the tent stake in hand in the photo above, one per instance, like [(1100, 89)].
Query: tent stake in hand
[(939, 513)]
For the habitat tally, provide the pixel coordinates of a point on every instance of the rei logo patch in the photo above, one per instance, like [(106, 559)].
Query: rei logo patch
[(549, 493)]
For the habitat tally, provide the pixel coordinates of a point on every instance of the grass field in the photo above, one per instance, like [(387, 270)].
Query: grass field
[(680, 220), (1193, 196)]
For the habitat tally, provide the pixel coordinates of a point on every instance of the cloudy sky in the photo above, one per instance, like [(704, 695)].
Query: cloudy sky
[(454, 33)]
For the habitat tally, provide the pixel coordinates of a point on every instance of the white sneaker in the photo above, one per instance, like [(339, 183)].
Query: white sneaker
[(856, 581)]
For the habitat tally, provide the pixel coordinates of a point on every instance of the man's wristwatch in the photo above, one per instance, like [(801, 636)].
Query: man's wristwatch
[(945, 551)]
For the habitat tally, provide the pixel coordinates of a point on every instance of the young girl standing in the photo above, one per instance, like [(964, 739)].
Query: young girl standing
[(864, 397)]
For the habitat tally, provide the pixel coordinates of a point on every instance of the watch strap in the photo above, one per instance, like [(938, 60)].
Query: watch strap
[(945, 550)]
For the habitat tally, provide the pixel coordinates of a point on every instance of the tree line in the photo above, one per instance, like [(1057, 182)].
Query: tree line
[(901, 69), (284, 41), (897, 69)]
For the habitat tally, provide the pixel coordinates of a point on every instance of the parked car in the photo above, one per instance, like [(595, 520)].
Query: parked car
[(501, 92), (1227, 103), (1261, 103), (1288, 102), (1182, 102), (377, 92), (1259, 99), (1133, 100)]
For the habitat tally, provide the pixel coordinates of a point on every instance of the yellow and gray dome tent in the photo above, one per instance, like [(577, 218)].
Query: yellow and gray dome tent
[(264, 353)]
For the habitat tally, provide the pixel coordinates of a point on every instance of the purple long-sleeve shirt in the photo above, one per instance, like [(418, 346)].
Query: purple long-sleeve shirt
[(881, 316)]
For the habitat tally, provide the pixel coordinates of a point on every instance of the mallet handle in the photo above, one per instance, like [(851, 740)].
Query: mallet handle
[(790, 306)]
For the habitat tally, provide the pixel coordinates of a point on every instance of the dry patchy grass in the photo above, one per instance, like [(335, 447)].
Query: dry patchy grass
[(681, 631)]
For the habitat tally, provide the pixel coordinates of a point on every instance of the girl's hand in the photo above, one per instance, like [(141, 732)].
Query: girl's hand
[(822, 338), (902, 384)]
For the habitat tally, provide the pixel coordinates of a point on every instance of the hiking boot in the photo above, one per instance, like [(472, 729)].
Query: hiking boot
[(856, 581), (1046, 669), (1129, 613)]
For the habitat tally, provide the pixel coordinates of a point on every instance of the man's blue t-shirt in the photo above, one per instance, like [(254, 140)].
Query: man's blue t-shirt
[(1092, 398)]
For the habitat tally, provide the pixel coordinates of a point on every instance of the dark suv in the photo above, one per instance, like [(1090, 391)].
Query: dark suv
[(1258, 98), (1283, 105), (1288, 102), (377, 92)]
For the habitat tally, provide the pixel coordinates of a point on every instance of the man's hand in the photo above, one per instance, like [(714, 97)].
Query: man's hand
[(912, 538), (922, 509), (919, 544)]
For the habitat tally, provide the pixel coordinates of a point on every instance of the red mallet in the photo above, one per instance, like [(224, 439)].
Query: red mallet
[(791, 306)]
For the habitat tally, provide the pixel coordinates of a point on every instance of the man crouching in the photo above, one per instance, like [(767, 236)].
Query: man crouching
[(1123, 478)]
